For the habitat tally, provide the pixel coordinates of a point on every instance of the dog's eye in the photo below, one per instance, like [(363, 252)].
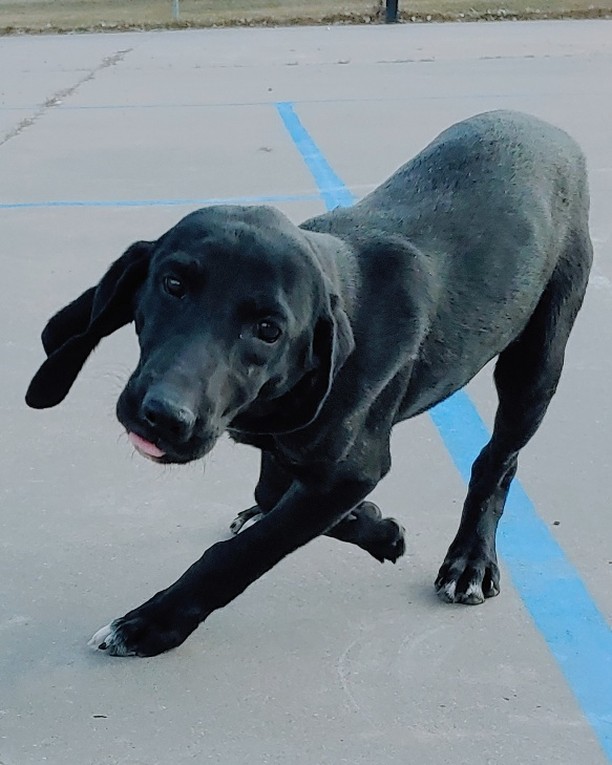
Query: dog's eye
[(174, 286), (268, 331)]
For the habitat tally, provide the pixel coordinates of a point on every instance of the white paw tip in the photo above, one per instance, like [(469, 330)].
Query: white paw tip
[(447, 592), (473, 595), (101, 636), (474, 589), (235, 526)]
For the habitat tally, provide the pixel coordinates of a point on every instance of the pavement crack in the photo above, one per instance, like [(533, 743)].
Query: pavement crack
[(61, 95)]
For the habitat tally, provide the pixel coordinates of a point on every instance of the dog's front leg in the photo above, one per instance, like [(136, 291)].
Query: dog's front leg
[(229, 567)]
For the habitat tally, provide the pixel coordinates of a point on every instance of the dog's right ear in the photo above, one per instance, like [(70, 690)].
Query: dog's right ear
[(72, 334)]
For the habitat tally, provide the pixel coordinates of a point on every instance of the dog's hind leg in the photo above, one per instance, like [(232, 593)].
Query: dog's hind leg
[(273, 483), (364, 526), (526, 377), (253, 513)]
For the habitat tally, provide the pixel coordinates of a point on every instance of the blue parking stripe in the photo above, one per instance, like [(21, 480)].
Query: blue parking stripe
[(574, 629), (333, 191), (265, 199)]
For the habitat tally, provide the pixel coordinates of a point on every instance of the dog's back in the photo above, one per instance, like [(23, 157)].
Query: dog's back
[(501, 178), (488, 212)]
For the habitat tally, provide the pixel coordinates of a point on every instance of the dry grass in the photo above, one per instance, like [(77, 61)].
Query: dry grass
[(81, 15), (86, 14)]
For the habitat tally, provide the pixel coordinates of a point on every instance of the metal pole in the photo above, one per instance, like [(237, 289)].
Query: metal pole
[(391, 15), (176, 9)]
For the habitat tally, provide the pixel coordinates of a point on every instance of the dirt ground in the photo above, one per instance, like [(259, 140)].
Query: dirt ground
[(99, 15)]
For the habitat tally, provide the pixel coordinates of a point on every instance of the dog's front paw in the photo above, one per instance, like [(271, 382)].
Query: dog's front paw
[(390, 544), (142, 632), (468, 578)]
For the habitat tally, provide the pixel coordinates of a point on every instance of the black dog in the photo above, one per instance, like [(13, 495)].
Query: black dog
[(311, 342)]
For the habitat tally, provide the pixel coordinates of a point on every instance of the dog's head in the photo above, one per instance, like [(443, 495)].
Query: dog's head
[(239, 327)]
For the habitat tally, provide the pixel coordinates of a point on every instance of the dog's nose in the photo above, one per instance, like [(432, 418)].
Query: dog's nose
[(168, 418)]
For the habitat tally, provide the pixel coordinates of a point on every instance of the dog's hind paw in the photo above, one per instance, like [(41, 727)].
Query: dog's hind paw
[(468, 579), (251, 514)]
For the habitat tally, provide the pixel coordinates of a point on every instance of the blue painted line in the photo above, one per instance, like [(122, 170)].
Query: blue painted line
[(574, 629), (333, 191), (266, 199), (68, 107)]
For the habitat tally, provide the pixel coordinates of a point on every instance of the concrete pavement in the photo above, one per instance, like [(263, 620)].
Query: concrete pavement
[(330, 658)]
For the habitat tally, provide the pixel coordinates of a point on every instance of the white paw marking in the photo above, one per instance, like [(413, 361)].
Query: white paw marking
[(448, 592), (108, 639), (101, 635), (236, 525), (243, 520), (473, 594)]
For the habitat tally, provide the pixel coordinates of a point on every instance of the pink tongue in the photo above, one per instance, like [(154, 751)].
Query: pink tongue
[(144, 446)]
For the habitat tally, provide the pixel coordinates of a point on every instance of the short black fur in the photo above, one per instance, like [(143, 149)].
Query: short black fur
[(475, 249)]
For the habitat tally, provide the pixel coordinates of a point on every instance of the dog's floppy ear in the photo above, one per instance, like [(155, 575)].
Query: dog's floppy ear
[(72, 334), (332, 344), (69, 321)]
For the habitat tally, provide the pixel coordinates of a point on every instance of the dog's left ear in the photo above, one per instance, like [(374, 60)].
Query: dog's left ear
[(332, 344), (72, 334)]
